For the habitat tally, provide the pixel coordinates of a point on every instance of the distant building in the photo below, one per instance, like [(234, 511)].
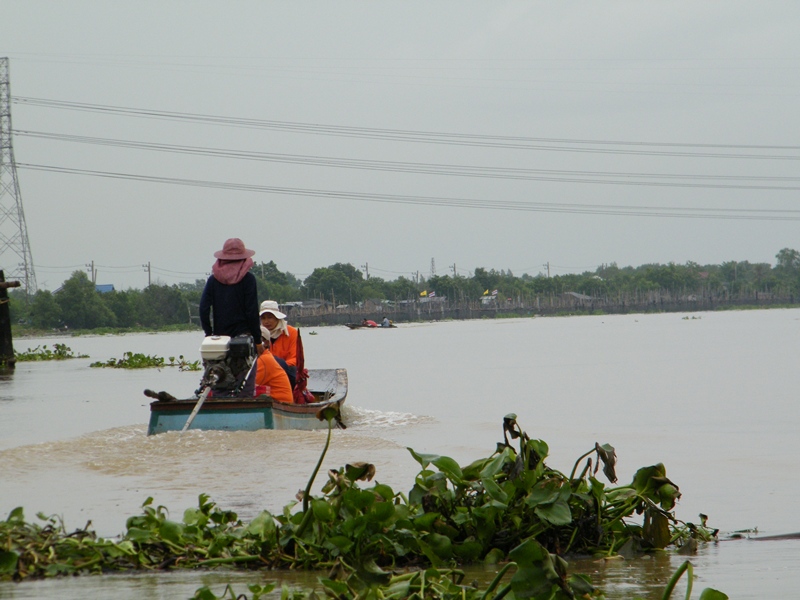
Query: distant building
[(102, 288), (576, 299)]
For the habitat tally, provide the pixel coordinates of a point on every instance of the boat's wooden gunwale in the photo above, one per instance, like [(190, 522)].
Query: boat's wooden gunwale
[(238, 403), (211, 405)]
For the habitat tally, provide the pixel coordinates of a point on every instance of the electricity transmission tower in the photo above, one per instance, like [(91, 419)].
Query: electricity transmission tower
[(15, 251)]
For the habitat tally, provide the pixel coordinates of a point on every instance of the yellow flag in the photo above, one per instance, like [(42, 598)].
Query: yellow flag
[(486, 293), (423, 293)]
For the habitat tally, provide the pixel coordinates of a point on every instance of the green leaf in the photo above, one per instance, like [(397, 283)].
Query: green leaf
[(540, 447), (495, 491), (263, 526), (424, 522), (468, 552), (171, 531), (557, 513), (341, 542), (204, 593), (642, 480), (544, 492), (339, 588), (495, 465), (371, 573), (384, 491), (494, 556), (449, 467), (359, 499), (423, 459), (16, 516), (712, 594), (668, 494), (323, 511), (531, 582), (8, 562), (440, 544), (136, 534), (398, 589), (527, 552), (380, 512), (581, 585)]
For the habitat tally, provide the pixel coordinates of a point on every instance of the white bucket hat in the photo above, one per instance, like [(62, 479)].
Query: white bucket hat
[(270, 306)]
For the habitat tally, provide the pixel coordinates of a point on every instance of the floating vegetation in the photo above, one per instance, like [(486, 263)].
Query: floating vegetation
[(508, 508), (445, 584), (59, 352), (132, 360)]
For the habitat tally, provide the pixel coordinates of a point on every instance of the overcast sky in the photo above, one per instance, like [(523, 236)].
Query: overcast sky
[(503, 135)]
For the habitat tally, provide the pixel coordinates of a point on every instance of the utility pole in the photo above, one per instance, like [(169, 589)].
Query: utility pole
[(433, 268), (14, 246), (454, 269), (547, 264), (147, 270), (365, 266), (93, 271)]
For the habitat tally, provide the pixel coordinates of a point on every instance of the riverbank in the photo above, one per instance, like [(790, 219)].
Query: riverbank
[(421, 313), (554, 307)]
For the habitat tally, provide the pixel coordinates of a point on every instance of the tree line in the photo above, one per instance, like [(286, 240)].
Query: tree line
[(78, 305)]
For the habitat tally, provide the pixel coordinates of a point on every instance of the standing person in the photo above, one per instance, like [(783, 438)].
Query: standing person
[(282, 339), (229, 304)]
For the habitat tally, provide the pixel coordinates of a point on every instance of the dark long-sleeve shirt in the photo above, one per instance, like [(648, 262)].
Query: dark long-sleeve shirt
[(231, 309)]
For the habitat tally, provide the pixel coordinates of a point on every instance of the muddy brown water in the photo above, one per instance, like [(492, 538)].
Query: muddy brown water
[(711, 395)]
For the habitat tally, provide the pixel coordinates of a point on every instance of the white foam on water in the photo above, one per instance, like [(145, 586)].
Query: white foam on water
[(367, 419)]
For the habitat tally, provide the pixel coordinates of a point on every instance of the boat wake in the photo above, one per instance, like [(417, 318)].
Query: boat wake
[(366, 419)]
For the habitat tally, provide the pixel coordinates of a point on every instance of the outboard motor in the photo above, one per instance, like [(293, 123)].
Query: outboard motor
[(226, 363)]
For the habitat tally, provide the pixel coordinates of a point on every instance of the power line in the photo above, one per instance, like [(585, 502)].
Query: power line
[(431, 137), (573, 208), (555, 175)]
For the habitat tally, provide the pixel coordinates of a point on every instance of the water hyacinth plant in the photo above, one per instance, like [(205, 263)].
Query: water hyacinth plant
[(59, 352), (509, 507), (131, 360)]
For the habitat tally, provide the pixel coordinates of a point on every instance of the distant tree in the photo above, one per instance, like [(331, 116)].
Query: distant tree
[(788, 269), (124, 305), (81, 305), (161, 305), (45, 313), (788, 260), (269, 273), (339, 282), (401, 288)]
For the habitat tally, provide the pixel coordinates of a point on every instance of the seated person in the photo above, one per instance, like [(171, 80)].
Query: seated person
[(386, 322), (368, 323), (280, 337), (269, 373)]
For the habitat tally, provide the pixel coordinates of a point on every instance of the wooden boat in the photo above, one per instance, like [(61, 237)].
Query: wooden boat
[(360, 326), (329, 387)]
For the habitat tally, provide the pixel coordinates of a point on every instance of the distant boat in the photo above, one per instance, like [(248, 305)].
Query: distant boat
[(329, 387), (370, 325)]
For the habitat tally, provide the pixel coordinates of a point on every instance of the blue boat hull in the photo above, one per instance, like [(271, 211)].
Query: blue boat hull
[(329, 386)]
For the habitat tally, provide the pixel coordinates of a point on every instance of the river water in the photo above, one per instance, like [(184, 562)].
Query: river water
[(712, 395)]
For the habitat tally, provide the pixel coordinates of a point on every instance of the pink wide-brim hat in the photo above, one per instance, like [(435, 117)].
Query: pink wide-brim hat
[(234, 249)]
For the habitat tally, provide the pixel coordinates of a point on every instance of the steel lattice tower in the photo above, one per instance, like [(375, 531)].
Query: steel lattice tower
[(15, 251)]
